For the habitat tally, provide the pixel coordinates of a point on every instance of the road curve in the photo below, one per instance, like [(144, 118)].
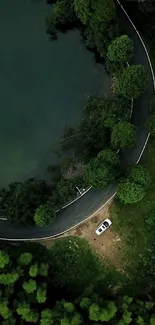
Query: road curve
[(94, 200)]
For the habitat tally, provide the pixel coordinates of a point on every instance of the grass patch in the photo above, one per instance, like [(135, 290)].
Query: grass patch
[(129, 222)]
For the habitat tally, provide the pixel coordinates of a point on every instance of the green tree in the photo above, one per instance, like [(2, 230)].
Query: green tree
[(118, 109), (123, 135), (114, 68), (4, 259), (43, 269), (93, 13), (108, 157), (26, 313), (121, 49), (103, 11), (22, 199), (132, 81), (33, 272), (98, 175), (44, 214), (9, 278), (63, 12), (82, 9), (47, 317), (130, 192), (25, 258), (41, 293), (151, 124), (62, 15), (4, 310), (30, 286), (150, 220), (140, 175)]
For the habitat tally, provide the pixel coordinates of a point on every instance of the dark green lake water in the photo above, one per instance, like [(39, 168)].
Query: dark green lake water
[(43, 86)]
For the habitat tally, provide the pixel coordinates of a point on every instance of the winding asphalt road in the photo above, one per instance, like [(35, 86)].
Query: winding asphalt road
[(94, 199)]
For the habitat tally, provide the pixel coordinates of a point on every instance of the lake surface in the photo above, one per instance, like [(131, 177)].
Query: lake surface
[(43, 87)]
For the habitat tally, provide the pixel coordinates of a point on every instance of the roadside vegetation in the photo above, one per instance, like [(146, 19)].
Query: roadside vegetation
[(135, 222), (88, 153), (67, 284)]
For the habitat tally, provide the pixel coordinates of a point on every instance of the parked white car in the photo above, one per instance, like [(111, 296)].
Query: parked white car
[(103, 226)]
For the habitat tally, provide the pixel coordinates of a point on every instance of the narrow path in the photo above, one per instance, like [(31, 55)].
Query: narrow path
[(94, 199)]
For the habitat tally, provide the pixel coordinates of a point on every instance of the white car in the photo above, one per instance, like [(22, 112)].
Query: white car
[(103, 226)]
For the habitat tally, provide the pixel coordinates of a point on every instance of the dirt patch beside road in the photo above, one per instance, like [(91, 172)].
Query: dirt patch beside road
[(108, 245)]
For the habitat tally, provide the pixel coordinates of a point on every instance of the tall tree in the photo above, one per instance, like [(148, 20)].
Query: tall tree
[(44, 214), (123, 135), (130, 192), (98, 175), (121, 49), (133, 81), (21, 200), (4, 259)]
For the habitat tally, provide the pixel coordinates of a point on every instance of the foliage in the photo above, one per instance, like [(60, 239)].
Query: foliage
[(132, 81), (130, 224), (90, 137), (43, 270), (25, 258), (130, 192), (61, 18), (117, 109), (150, 220), (74, 269), (30, 286), (101, 171), (41, 294), (108, 157), (93, 13), (19, 293), (114, 68), (82, 9), (75, 265), (33, 270), (97, 174), (21, 200), (151, 124), (44, 214), (140, 175), (123, 135), (66, 190), (121, 49), (133, 189), (4, 259)]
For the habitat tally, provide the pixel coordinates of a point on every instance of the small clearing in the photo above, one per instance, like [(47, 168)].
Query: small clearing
[(108, 245)]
